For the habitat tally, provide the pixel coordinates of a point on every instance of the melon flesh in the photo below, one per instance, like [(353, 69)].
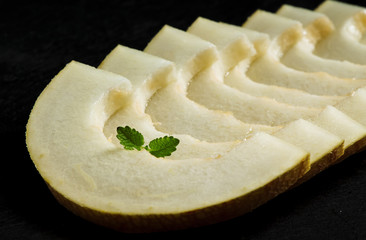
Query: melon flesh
[(325, 150), (238, 79), (301, 57), (228, 37), (349, 21), (216, 94), (354, 106), (219, 125), (343, 126), (276, 73), (321, 27)]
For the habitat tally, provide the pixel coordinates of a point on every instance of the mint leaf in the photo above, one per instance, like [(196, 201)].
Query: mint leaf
[(130, 138), (163, 146)]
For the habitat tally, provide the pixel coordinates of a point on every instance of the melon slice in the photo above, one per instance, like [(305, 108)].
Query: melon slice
[(133, 191), (343, 126), (354, 106), (343, 44), (284, 34), (317, 27), (324, 151), (216, 94), (325, 148), (229, 37)]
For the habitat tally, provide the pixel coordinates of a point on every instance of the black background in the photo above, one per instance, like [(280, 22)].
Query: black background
[(37, 39)]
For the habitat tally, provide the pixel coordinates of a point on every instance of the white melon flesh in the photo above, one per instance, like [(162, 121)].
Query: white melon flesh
[(343, 126), (232, 45), (276, 73), (301, 57), (362, 39), (267, 22), (129, 62), (354, 106), (229, 37), (349, 21), (132, 190), (323, 152), (216, 95), (244, 107), (207, 88), (324, 147), (238, 79), (149, 74), (319, 83)]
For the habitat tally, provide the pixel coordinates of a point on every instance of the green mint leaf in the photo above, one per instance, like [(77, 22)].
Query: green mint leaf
[(163, 146), (130, 138)]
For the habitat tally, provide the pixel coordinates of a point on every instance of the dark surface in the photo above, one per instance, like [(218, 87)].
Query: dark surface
[(38, 39)]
